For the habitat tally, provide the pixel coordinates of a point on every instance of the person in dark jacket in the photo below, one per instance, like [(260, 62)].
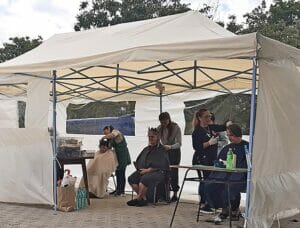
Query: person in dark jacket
[(151, 167), (217, 193), (170, 137), (205, 141)]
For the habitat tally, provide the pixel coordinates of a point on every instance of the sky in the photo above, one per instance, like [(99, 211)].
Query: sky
[(48, 17)]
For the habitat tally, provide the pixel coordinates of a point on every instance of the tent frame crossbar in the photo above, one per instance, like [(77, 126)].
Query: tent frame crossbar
[(73, 90), (149, 83)]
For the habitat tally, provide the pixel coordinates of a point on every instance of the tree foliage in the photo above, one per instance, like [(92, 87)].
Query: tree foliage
[(18, 46), (280, 22), (100, 13)]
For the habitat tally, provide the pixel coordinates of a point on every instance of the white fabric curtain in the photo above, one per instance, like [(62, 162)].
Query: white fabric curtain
[(276, 170), (37, 105), (26, 166), (26, 174)]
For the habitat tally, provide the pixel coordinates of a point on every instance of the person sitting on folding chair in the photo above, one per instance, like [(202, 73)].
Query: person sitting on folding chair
[(100, 169), (216, 194), (152, 164)]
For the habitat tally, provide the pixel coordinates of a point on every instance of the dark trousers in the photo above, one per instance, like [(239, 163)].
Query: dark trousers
[(217, 196), (174, 158), (121, 180), (199, 159)]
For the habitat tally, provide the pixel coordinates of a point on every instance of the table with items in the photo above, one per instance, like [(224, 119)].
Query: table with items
[(79, 159), (206, 168)]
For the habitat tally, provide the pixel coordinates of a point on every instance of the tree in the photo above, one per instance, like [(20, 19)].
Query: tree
[(280, 22), (233, 26), (18, 46), (100, 13)]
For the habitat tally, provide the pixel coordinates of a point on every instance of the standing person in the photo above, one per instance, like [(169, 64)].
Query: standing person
[(170, 137), (205, 141), (118, 142)]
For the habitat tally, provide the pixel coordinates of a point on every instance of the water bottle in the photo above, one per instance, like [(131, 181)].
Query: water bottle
[(84, 198), (229, 159), (81, 198), (78, 200)]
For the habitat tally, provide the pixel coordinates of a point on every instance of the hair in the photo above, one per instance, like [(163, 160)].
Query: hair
[(235, 129), (153, 130), (166, 116), (110, 128), (198, 114), (104, 142), (212, 117)]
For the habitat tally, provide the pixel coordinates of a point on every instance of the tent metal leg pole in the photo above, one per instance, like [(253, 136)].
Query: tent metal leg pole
[(160, 102), (252, 124), (54, 144)]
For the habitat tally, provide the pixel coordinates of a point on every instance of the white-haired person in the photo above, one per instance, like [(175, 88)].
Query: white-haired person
[(152, 164)]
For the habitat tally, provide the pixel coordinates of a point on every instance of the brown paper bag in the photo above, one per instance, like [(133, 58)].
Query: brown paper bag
[(66, 198)]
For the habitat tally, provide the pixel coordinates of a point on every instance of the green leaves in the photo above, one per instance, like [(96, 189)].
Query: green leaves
[(100, 13), (18, 46), (281, 22)]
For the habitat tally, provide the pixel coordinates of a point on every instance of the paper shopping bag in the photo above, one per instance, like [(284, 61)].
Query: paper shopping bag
[(66, 198)]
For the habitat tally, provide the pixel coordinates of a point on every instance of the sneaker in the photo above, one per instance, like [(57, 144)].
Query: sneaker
[(141, 203), (217, 220), (235, 215), (174, 198), (223, 215), (133, 202), (113, 193), (206, 209)]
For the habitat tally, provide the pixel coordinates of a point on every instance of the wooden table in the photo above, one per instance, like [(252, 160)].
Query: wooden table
[(206, 168), (80, 160)]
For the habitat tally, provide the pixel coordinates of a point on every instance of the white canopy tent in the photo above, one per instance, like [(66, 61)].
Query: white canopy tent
[(182, 52)]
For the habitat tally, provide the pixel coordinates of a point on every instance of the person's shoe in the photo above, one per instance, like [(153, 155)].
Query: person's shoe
[(113, 193), (217, 220), (174, 198), (141, 203), (206, 209), (223, 215), (235, 215), (133, 202)]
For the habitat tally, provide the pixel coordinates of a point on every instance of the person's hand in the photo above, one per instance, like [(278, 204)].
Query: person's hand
[(144, 171), (213, 140), (228, 123), (167, 147)]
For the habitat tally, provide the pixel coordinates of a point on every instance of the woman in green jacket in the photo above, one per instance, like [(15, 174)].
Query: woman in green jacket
[(118, 142)]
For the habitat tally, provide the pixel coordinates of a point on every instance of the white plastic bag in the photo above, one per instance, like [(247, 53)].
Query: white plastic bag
[(68, 180)]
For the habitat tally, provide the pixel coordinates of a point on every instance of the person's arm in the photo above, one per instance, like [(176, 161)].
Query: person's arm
[(217, 127), (115, 133), (223, 153), (147, 170), (178, 140), (197, 141)]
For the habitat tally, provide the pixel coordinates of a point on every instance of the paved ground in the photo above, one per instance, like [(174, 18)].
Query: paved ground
[(112, 212)]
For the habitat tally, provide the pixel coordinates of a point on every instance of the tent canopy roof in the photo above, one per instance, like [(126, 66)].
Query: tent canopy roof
[(182, 52), (186, 36)]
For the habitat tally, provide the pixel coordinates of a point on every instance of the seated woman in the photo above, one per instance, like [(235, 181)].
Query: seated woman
[(216, 193), (100, 169), (151, 167)]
